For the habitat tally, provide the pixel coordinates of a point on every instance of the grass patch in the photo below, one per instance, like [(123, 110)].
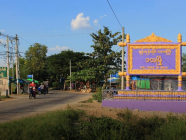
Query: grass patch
[(90, 100), (83, 106), (71, 124), (52, 125), (4, 97), (98, 96)]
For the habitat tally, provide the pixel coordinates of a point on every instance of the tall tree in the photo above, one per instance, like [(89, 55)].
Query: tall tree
[(104, 58), (59, 64), (35, 61), (83, 75), (23, 68)]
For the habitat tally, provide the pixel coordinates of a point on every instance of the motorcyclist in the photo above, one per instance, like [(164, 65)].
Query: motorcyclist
[(32, 88), (42, 88)]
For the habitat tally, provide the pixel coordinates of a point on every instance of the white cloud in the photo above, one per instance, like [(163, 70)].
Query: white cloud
[(2, 30), (58, 48), (96, 22), (103, 16), (2, 41), (80, 22)]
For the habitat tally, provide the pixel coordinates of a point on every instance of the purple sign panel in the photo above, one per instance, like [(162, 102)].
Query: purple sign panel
[(154, 59)]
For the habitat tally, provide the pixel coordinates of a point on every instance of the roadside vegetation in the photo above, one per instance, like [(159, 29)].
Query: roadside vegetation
[(4, 97), (73, 124), (92, 68), (98, 95), (90, 100)]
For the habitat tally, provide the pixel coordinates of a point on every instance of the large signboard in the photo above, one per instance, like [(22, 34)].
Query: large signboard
[(3, 72), (154, 59)]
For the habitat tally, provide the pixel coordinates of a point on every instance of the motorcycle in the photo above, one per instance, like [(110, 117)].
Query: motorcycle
[(39, 90), (32, 92)]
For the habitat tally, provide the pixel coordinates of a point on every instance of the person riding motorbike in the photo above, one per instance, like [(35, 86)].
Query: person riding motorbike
[(42, 88), (32, 88)]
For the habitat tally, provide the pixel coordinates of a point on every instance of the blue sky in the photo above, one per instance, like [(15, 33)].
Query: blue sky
[(67, 24)]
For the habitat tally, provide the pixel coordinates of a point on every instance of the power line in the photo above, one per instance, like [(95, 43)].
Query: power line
[(56, 35), (25, 40), (114, 13), (4, 35), (4, 45), (117, 49), (60, 35)]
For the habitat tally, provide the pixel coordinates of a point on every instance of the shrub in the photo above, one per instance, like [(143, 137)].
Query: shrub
[(55, 84), (170, 130), (99, 128), (98, 96), (4, 97), (52, 125), (87, 101), (76, 125)]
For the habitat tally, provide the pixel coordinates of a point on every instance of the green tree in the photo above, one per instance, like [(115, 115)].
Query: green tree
[(59, 64), (35, 61), (83, 75), (23, 68), (12, 71), (103, 59)]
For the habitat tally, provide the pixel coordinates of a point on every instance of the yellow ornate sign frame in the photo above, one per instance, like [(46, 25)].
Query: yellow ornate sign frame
[(175, 71)]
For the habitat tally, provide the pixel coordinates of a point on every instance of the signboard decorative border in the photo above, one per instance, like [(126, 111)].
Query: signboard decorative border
[(175, 71)]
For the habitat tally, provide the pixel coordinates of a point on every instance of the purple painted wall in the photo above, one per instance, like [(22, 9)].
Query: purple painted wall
[(174, 106)]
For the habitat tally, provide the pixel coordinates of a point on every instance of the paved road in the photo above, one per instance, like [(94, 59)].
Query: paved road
[(22, 106)]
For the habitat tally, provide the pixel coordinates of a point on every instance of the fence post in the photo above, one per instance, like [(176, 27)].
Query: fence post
[(136, 89), (102, 93), (158, 85), (171, 94)]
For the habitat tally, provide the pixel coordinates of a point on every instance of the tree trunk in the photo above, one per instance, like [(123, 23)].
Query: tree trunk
[(64, 84), (105, 81)]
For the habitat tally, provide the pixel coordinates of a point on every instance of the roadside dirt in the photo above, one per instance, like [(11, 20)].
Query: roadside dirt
[(95, 108)]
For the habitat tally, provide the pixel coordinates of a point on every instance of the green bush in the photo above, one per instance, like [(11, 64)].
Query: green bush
[(73, 124), (4, 97), (53, 125), (90, 100), (55, 84), (98, 96), (103, 128)]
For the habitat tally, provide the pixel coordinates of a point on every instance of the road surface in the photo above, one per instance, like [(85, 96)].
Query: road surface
[(21, 106)]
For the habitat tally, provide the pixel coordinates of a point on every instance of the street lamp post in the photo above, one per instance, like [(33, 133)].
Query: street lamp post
[(122, 78), (70, 75)]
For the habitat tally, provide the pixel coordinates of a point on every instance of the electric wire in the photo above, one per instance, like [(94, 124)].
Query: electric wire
[(117, 49), (26, 40), (114, 13), (61, 35)]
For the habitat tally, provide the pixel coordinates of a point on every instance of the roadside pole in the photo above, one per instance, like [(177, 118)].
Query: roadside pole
[(8, 67), (17, 71), (12, 68), (70, 75), (122, 78), (110, 81)]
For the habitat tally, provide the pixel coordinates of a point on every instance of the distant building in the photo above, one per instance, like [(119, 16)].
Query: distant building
[(3, 81)]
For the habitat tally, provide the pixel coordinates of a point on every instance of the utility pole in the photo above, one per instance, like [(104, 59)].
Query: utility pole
[(8, 66), (70, 75), (122, 78), (17, 67), (12, 68)]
